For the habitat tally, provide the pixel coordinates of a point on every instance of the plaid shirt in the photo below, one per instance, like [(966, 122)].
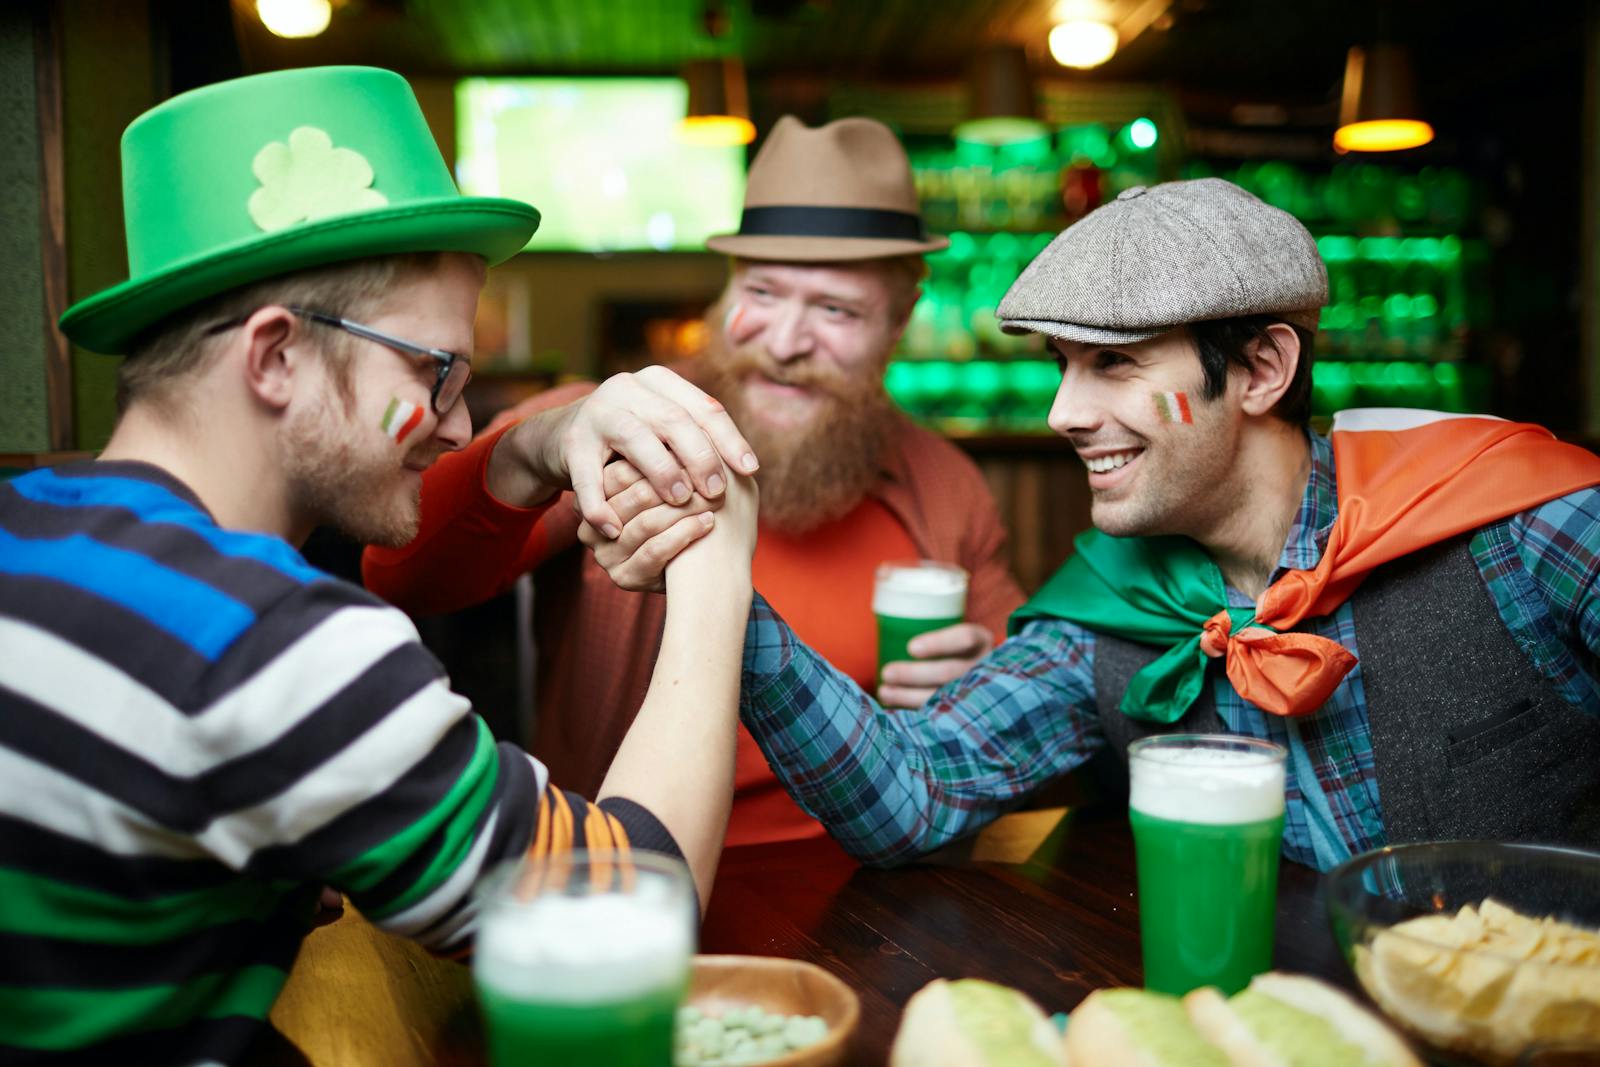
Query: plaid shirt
[(893, 785)]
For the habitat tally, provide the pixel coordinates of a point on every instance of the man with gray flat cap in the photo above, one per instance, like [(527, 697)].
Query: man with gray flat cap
[(1407, 605)]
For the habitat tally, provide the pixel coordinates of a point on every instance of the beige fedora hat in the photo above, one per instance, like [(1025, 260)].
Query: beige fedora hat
[(838, 192)]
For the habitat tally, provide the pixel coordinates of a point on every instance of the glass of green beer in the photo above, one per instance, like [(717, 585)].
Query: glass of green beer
[(911, 597), (583, 958), (1207, 815)]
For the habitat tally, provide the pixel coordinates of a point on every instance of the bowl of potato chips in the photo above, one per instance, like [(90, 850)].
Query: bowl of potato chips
[(1485, 952)]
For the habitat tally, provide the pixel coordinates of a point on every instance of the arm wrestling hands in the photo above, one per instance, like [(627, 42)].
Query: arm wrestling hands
[(681, 440), (654, 531)]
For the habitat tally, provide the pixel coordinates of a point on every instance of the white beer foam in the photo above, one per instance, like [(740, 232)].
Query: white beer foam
[(591, 949), (921, 593), (1206, 785)]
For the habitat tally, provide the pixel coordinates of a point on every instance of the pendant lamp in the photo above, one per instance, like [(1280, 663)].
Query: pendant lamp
[(719, 105), (1378, 112), (1000, 107)]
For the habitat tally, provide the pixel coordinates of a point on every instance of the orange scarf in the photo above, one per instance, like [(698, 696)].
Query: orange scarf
[(1406, 480)]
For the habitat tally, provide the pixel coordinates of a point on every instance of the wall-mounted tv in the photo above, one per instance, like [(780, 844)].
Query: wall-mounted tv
[(599, 158)]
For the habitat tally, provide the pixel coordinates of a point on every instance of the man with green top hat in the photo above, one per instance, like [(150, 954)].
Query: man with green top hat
[(1408, 605), (825, 270), (198, 730)]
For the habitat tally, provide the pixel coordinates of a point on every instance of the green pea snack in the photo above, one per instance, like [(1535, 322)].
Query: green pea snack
[(741, 1035)]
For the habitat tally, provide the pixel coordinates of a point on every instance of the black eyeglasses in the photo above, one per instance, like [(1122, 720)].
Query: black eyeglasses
[(453, 369)]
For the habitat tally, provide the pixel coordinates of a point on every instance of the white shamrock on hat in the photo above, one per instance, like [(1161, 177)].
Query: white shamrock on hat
[(309, 179)]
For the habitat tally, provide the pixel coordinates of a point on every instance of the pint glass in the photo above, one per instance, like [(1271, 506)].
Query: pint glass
[(584, 958), (911, 597), (1207, 816)]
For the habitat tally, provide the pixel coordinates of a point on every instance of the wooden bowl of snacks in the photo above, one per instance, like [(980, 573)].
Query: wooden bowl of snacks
[(764, 1010)]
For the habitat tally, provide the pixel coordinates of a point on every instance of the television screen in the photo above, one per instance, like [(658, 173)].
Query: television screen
[(599, 158)]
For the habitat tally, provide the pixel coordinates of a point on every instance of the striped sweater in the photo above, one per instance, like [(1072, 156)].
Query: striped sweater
[(198, 730)]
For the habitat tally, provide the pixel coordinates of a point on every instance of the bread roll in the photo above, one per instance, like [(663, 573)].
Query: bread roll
[(972, 1023), (1286, 1020), (1135, 1028)]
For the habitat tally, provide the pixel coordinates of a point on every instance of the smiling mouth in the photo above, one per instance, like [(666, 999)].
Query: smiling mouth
[(1110, 461), (781, 383)]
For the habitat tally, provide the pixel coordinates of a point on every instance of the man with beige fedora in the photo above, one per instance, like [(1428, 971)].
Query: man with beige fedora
[(825, 270), (201, 731)]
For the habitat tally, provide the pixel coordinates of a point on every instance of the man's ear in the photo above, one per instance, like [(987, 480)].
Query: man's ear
[(1273, 360), (269, 364)]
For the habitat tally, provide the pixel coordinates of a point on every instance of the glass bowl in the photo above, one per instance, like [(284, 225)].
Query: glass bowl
[(1481, 985)]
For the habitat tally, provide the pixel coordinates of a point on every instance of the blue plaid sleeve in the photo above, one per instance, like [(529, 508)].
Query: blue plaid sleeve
[(892, 785), (1559, 544)]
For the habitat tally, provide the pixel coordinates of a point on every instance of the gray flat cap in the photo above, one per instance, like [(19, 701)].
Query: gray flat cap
[(1159, 257)]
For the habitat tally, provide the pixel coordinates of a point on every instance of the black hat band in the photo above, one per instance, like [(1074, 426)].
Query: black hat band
[(865, 222)]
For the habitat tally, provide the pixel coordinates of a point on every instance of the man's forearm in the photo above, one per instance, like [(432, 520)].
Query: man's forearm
[(820, 734), (678, 757), (890, 787)]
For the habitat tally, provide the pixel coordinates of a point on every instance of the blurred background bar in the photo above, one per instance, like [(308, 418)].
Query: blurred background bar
[(1462, 268)]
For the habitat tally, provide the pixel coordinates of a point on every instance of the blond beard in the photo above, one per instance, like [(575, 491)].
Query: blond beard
[(819, 472), (340, 476)]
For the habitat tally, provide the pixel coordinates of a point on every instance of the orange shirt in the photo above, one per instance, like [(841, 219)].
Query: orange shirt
[(821, 583)]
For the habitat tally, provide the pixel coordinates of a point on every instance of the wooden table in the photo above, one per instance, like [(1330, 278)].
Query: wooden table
[(1057, 925), (1043, 901)]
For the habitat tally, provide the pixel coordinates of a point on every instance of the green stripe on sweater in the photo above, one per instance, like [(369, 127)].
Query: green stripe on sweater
[(61, 1019), (44, 907), (457, 812)]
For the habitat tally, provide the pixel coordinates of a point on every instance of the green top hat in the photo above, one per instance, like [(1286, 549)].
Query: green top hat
[(260, 176)]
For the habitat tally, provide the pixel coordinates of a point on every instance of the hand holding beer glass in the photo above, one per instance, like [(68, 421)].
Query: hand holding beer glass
[(914, 597), (1207, 817), (584, 957)]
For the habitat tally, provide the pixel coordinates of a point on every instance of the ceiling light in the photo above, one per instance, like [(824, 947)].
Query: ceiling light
[(1000, 108), (716, 131), (1383, 135), (1379, 111), (718, 114), (295, 18), (1083, 43), (1142, 133)]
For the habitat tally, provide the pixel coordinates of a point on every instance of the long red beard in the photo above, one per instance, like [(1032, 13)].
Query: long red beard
[(819, 472)]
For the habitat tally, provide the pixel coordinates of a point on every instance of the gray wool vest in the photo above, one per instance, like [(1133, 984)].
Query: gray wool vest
[(1469, 739)]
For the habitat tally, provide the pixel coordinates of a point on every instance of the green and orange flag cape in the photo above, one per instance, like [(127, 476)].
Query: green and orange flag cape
[(1405, 479)]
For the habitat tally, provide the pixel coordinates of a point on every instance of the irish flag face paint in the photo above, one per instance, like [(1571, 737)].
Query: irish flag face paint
[(730, 321), (1174, 407), (400, 418)]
